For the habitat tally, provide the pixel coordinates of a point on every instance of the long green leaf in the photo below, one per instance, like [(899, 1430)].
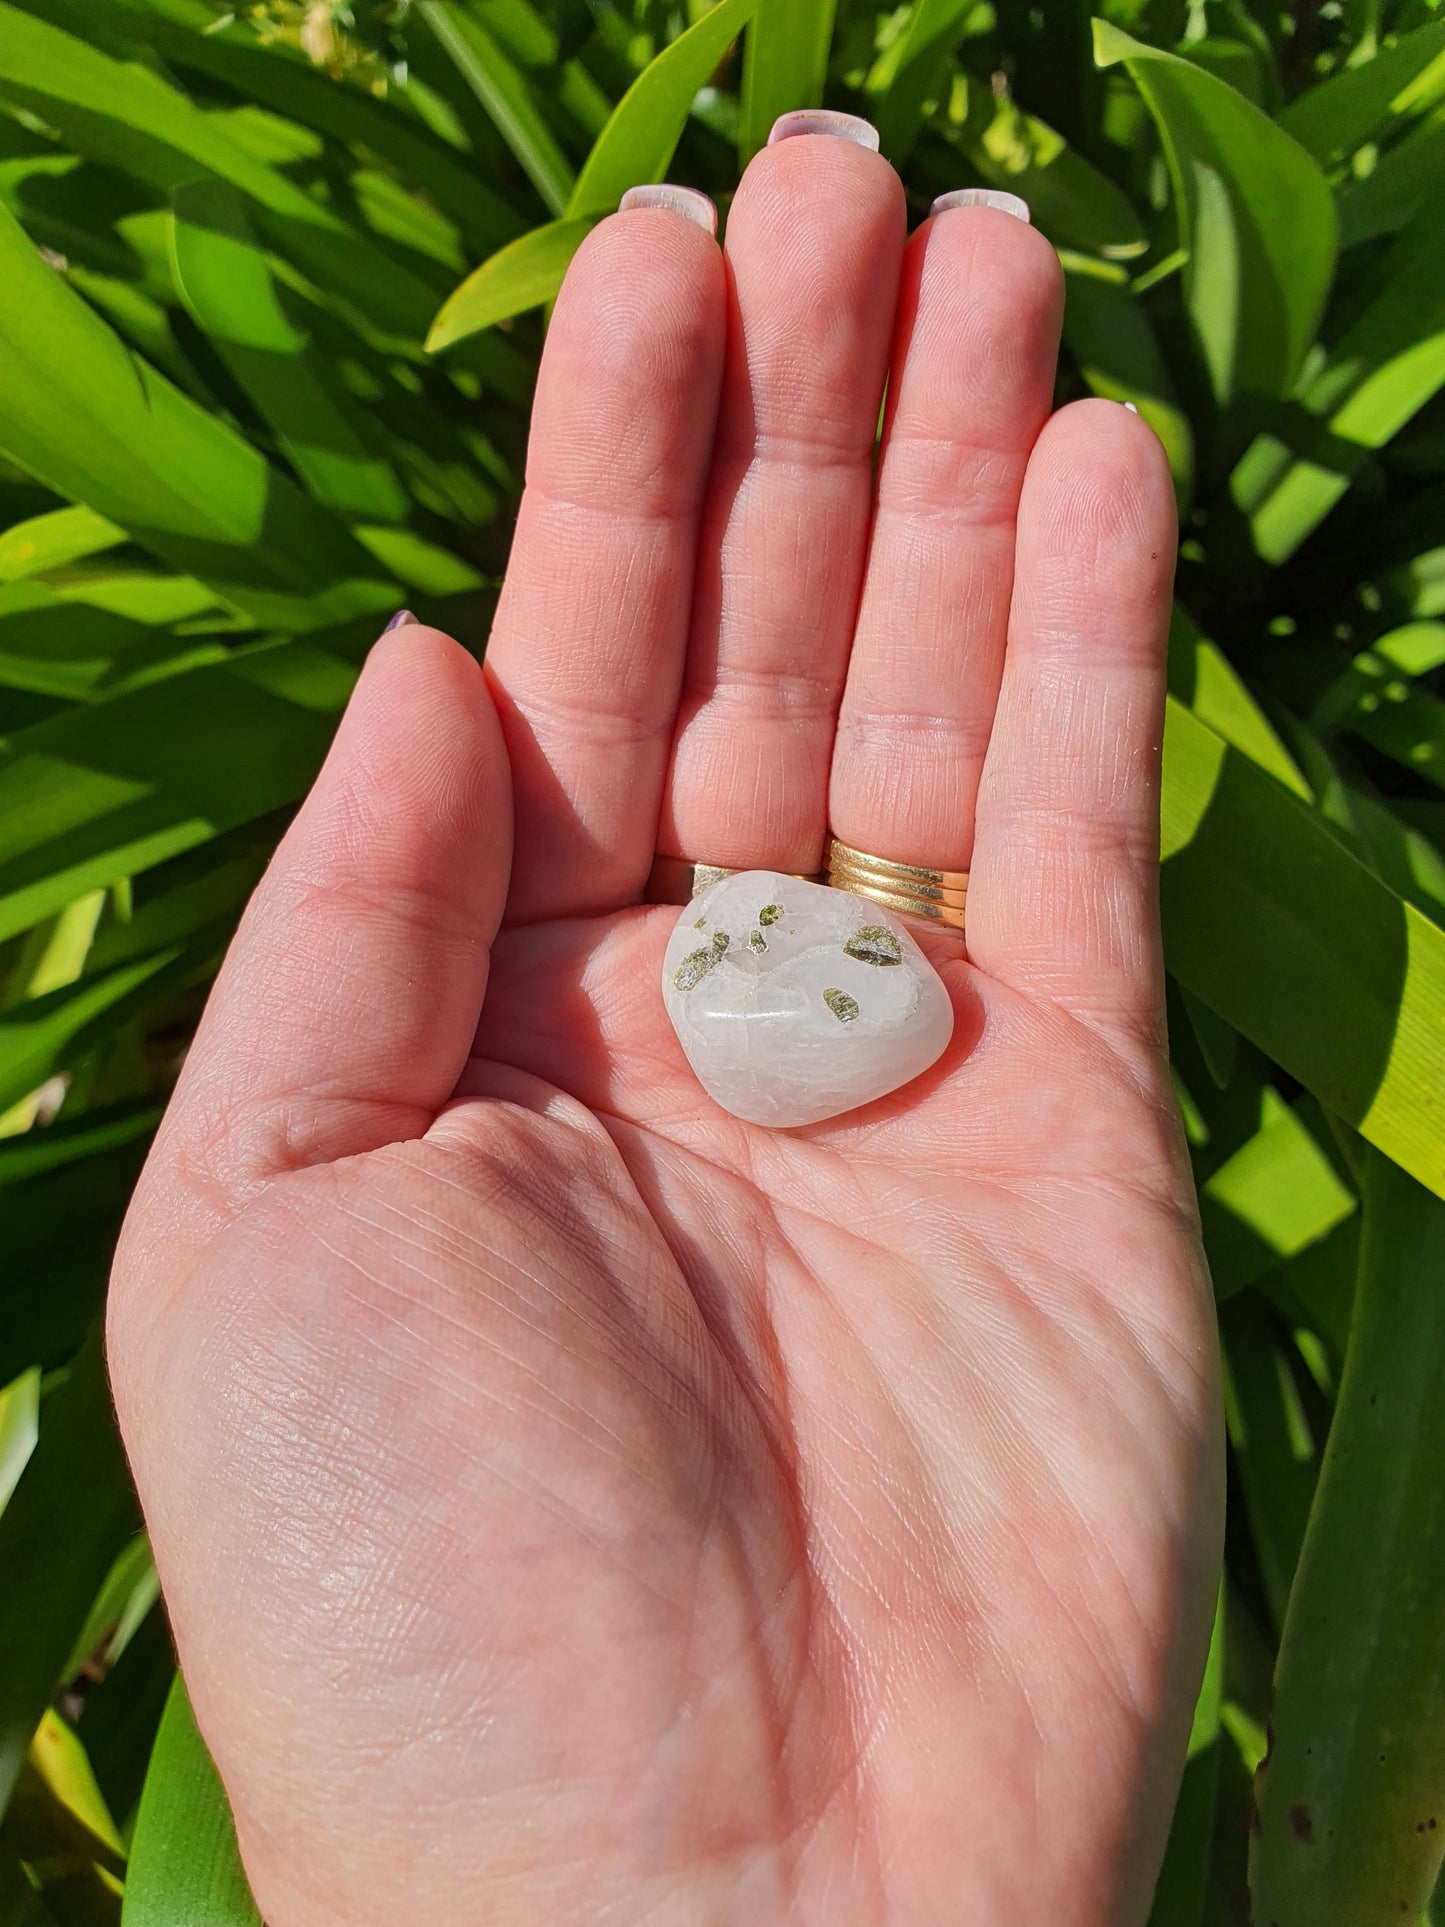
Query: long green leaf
[(1367, 102), (229, 288), (59, 1230), (505, 94), (1381, 373), (912, 70), (1074, 202), (184, 1866), (50, 541), (1280, 929), (1255, 214), (638, 142), (70, 1515), (1274, 1445), (785, 65), (1275, 1196), (1109, 334), (636, 145), (92, 421), (524, 274), (102, 792), (1351, 1829), (1404, 185)]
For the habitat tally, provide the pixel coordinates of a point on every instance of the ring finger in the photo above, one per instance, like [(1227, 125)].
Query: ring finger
[(973, 377)]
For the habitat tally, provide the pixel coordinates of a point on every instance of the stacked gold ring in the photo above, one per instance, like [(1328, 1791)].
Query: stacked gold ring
[(910, 888), (674, 879)]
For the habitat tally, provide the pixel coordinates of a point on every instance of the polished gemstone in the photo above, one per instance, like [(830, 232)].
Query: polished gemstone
[(795, 1002)]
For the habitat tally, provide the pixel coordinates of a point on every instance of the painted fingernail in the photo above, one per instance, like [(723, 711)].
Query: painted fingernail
[(399, 621), (822, 120), (1133, 410), (685, 201), (982, 197)]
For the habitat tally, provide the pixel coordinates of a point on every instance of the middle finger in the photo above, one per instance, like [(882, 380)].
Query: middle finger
[(814, 242)]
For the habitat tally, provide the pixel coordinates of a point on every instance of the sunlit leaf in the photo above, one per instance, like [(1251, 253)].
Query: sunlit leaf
[(1357, 1760), (1255, 213), (184, 1865), (785, 64), (50, 541)]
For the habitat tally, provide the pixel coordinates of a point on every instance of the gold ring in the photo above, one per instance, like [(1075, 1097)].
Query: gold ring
[(912, 888), (675, 879)]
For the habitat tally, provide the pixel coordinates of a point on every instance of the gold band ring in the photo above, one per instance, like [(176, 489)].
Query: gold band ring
[(911, 888), (675, 879)]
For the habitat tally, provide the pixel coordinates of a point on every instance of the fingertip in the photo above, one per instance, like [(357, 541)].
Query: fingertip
[(1099, 474)]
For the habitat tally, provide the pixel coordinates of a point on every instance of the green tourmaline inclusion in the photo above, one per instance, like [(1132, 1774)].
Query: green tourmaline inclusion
[(874, 944), (695, 966)]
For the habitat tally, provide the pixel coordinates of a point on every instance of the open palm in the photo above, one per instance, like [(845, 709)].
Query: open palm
[(574, 1504)]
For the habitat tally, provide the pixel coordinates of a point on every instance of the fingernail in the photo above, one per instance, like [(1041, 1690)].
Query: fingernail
[(982, 197), (822, 120), (685, 201), (1131, 408), (399, 621)]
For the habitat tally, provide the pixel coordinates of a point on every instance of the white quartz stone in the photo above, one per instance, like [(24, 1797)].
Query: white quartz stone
[(795, 1002)]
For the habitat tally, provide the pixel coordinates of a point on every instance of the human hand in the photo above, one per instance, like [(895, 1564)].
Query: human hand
[(574, 1504)]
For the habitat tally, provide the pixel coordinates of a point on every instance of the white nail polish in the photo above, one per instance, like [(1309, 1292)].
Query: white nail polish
[(822, 120), (685, 201), (982, 197)]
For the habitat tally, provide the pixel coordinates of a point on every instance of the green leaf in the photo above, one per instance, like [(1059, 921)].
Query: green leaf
[(785, 64), (1274, 1443), (1109, 334), (1205, 681), (1255, 213), (68, 1143), (1074, 203), (1378, 702), (1361, 103), (123, 113), (286, 81), (59, 646), (35, 1036), (19, 1429), (524, 274), (105, 791), (1401, 187), (1180, 1892), (96, 424), (1382, 371), (184, 1866), (636, 145), (50, 541), (638, 142), (1355, 1774), (59, 1229), (916, 68), (505, 94), (227, 283), (1279, 928), (71, 1514), (1275, 1196)]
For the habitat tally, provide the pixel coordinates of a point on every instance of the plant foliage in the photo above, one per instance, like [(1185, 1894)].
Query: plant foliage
[(273, 281)]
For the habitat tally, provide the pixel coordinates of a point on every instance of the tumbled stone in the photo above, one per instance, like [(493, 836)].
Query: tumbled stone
[(795, 1002)]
